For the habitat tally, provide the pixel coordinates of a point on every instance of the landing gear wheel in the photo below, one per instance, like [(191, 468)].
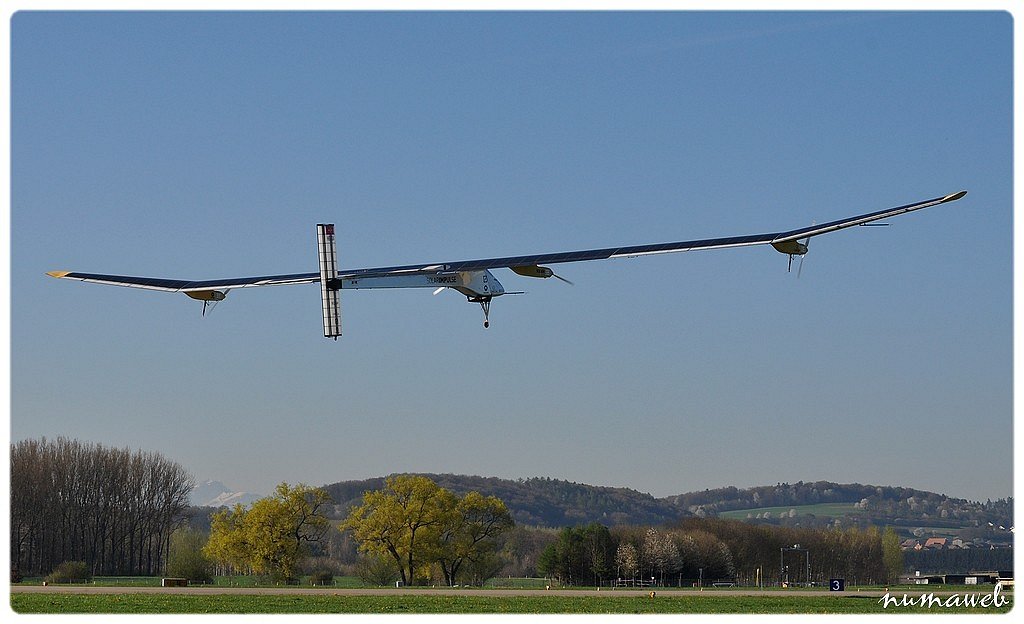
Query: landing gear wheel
[(485, 305)]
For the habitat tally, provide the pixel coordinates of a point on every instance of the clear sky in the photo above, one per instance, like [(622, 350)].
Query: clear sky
[(209, 145)]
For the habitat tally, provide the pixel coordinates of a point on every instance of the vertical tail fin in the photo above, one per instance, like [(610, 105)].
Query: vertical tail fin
[(329, 295)]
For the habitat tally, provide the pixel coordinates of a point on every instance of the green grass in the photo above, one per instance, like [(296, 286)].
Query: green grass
[(821, 510), (682, 603), (347, 582), (104, 581), (516, 583)]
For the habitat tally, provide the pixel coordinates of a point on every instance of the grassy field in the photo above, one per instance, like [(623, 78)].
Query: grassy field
[(821, 510), (516, 583), (347, 582), (684, 603)]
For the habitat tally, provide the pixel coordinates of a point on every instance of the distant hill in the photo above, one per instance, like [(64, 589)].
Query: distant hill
[(537, 501), (867, 504), (555, 503)]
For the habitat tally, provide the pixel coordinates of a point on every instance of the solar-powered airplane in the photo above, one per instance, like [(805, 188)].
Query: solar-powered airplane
[(472, 278)]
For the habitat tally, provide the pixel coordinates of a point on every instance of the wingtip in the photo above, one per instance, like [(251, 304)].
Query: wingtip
[(58, 273), (954, 196)]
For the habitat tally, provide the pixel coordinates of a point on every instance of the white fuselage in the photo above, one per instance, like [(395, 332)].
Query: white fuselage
[(469, 283)]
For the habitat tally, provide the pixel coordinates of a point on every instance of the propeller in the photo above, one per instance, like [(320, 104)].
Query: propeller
[(557, 276), (210, 304), (800, 267), (210, 298)]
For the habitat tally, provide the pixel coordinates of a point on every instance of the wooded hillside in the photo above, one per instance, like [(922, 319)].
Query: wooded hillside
[(537, 501), (556, 503)]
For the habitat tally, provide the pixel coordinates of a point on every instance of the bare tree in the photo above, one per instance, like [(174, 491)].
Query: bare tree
[(113, 508)]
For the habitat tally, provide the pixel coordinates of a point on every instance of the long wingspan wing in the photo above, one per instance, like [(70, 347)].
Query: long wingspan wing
[(658, 248), (188, 286), (825, 228)]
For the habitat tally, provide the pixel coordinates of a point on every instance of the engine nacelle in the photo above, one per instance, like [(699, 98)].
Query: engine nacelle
[(207, 295), (532, 270), (793, 248)]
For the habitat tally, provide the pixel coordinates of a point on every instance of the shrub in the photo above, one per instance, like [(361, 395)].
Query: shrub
[(376, 570), (70, 572), (321, 577), (185, 559)]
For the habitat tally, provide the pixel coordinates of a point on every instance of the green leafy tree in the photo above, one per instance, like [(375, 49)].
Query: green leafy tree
[(273, 535), (549, 562), (598, 552), (402, 521), (228, 542), (571, 565), (469, 534), (581, 554), (892, 556), (422, 527)]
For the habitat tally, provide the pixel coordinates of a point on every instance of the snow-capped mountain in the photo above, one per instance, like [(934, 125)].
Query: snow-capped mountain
[(216, 494)]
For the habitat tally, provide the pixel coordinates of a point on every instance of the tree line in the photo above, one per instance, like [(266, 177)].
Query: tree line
[(118, 511), (862, 556), (114, 509), (709, 550), (410, 529), (416, 532)]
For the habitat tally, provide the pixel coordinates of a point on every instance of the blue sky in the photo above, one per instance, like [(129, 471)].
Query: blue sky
[(208, 145)]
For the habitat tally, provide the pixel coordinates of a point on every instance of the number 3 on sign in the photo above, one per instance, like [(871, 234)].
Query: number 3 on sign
[(837, 585)]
